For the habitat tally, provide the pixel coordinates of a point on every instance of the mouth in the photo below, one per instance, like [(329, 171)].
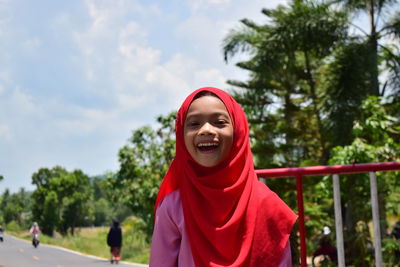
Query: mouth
[(207, 147)]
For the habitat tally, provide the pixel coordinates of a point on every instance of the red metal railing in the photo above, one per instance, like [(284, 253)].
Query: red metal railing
[(299, 173)]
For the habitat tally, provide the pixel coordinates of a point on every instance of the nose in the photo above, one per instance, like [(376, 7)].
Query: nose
[(207, 129)]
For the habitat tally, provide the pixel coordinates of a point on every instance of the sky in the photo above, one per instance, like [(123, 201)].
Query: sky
[(78, 76)]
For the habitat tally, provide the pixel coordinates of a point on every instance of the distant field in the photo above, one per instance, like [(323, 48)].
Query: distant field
[(92, 241)]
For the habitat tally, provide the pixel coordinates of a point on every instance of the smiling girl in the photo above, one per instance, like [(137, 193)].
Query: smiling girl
[(211, 210)]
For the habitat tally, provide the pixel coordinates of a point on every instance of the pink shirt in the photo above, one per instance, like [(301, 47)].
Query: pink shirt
[(170, 245)]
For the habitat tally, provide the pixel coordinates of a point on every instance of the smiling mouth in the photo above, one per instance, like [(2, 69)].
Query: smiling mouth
[(207, 147)]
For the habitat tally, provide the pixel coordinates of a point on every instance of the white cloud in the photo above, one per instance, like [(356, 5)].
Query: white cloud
[(32, 44), (22, 102), (5, 132), (210, 76), (197, 4)]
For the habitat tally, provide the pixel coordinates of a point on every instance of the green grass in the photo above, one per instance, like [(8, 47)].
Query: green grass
[(92, 241)]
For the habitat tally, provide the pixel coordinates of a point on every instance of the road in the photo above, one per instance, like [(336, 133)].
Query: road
[(16, 252)]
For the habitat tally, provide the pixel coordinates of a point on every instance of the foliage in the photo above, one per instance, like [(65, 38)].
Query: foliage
[(136, 245), (391, 251), (13, 226), (104, 207), (60, 200), (15, 207), (309, 73), (283, 98), (143, 163), (376, 141)]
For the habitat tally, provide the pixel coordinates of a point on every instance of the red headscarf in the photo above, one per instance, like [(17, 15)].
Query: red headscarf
[(230, 217)]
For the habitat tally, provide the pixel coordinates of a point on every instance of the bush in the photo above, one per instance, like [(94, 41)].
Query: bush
[(13, 226), (391, 251)]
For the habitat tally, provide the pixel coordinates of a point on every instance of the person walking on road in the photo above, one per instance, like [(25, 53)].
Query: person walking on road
[(114, 241)]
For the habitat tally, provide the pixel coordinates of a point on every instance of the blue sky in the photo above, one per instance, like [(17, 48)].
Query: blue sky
[(77, 76)]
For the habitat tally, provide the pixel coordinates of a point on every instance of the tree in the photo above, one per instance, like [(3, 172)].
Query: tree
[(46, 206), (282, 98), (359, 64), (377, 12), (74, 193), (143, 163), (15, 207), (308, 77), (61, 199), (377, 140)]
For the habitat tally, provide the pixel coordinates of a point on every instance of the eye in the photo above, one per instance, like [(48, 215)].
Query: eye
[(192, 124), (221, 122)]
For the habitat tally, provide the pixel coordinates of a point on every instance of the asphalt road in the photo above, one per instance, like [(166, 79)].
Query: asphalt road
[(15, 252)]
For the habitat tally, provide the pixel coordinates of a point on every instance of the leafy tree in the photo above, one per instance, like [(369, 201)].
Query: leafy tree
[(143, 163), (74, 193), (105, 208), (377, 140), (15, 207), (102, 212), (358, 65), (380, 28), (46, 206), (282, 98), (61, 199)]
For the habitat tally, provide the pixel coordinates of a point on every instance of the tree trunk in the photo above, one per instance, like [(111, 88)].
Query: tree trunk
[(310, 79), (373, 42)]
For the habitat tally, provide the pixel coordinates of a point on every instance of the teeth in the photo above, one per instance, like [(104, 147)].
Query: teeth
[(207, 144)]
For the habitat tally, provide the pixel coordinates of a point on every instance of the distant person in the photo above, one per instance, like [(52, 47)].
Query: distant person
[(396, 231), (396, 234), (35, 234), (114, 241), (1, 233), (325, 247)]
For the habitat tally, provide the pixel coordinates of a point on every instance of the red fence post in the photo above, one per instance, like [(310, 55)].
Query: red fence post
[(302, 229)]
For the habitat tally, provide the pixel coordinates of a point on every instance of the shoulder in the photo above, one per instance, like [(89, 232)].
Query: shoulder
[(170, 209), (267, 194), (171, 202)]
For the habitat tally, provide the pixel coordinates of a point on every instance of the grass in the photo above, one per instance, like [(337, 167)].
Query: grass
[(92, 241)]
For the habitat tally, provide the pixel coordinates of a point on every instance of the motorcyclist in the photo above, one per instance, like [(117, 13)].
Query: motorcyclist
[(35, 234)]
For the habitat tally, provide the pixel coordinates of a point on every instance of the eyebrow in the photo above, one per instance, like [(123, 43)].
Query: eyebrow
[(198, 114)]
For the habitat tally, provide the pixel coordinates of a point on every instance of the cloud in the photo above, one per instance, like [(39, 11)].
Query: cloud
[(196, 4), (92, 71), (32, 44), (5, 132), (22, 102)]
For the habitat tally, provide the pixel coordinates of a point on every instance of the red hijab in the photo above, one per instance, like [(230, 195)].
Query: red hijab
[(230, 217)]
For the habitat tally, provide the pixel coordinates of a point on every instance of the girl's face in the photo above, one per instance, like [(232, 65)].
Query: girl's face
[(208, 131)]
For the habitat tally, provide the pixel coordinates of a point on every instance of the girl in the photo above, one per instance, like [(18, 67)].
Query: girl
[(211, 210)]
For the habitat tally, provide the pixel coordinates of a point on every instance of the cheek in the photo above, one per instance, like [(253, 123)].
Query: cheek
[(188, 140), (228, 141)]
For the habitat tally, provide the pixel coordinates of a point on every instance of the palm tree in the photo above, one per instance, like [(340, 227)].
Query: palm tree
[(286, 54), (384, 25)]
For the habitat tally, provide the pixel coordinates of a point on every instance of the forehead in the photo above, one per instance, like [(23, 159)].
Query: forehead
[(206, 105)]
